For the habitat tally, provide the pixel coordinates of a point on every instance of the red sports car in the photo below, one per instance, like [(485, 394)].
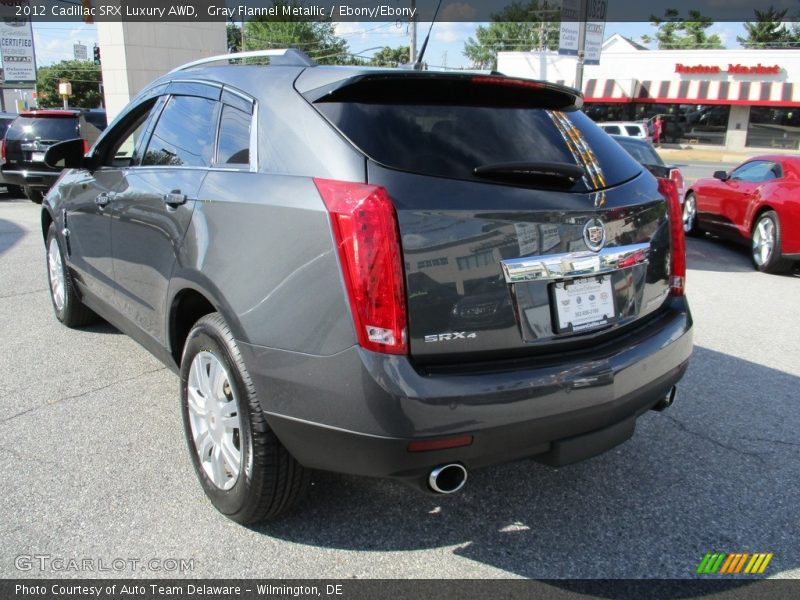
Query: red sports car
[(759, 202)]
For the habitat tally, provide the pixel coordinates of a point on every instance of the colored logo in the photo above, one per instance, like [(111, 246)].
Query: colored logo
[(736, 563), (594, 235)]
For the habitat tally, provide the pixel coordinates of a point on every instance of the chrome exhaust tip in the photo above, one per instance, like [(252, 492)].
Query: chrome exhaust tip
[(667, 400), (447, 479)]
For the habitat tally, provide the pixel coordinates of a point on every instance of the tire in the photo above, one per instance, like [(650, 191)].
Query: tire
[(15, 190), (67, 305), (765, 245), (267, 481), (34, 195), (690, 215)]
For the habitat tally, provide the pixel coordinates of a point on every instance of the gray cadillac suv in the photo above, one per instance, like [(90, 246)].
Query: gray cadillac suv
[(387, 273)]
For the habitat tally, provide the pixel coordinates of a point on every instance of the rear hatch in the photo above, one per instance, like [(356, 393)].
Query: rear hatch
[(525, 229), (29, 137)]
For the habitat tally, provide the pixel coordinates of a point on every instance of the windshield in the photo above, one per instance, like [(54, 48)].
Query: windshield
[(641, 151)]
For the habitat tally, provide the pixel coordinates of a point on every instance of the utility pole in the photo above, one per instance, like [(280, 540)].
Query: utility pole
[(584, 12), (412, 49)]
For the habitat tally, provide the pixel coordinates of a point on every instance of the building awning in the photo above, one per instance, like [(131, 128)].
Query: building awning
[(758, 93), (762, 93), (607, 90)]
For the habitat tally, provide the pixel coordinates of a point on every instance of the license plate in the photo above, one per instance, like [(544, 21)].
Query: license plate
[(37, 157), (584, 304)]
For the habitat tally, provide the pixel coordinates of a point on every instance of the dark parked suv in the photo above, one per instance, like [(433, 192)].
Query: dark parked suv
[(29, 137), (387, 273)]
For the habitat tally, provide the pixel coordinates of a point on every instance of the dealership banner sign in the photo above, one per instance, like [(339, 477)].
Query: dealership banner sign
[(571, 17), (16, 48)]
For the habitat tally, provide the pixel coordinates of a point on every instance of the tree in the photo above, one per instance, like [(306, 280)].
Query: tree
[(673, 32), (519, 27), (318, 39), (767, 31), (390, 57), (234, 38), (84, 76)]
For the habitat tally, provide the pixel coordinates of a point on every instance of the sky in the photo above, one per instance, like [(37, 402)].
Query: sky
[(54, 41)]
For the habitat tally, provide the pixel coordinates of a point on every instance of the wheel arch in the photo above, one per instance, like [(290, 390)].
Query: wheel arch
[(189, 303), (757, 212), (46, 220)]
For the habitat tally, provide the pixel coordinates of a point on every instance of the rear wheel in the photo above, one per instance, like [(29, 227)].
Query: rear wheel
[(67, 305), (244, 469), (34, 195), (14, 190), (690, 215), (766, 244)]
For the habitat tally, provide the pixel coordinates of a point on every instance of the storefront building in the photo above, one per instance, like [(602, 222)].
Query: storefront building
[(737, 99)]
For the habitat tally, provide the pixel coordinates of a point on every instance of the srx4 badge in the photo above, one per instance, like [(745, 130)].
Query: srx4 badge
[(453, 335)]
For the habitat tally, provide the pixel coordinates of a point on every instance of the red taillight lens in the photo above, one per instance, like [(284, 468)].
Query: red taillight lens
[(677, 263), (676, 176), (368, 240), (85, 146), (507, 81), (3, 149)]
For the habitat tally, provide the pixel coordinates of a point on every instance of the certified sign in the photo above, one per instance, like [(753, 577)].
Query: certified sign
[(16, 47)]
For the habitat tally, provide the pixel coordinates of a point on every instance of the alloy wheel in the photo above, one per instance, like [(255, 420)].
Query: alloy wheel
[(763, 241), (689, 213), (214, 419), (55, 268)]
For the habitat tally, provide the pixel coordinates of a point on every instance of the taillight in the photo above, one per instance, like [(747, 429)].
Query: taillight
[(368, 241), (677, 177), (3, 149), (507, 81), (85, 146), (677, 263)]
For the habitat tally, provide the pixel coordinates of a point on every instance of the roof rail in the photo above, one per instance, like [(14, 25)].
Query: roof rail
[(283, 57)]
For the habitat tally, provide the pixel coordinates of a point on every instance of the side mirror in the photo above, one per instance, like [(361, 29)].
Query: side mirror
[(721, 175), (68, 155)]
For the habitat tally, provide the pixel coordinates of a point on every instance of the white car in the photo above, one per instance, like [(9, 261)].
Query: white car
[(637, 129)]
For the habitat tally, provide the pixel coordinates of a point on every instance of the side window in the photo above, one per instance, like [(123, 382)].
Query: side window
[(756, 171), (633, 130), (184, 134), (612, 129), (233, 147), (122, 149)]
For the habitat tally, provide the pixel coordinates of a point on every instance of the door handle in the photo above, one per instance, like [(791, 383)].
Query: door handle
[(104, 198), (174, 199)]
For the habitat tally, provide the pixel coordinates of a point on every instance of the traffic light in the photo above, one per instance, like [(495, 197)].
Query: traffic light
[(96, 54)]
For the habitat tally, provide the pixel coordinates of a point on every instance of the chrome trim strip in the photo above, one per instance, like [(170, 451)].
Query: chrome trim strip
[(569, 265), (26, 173), (254, 138)]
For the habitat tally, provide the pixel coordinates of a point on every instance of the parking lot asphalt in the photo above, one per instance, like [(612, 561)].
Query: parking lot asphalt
[(95, 466)]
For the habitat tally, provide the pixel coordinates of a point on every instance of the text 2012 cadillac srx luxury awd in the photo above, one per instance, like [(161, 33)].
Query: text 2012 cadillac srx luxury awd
[(388, 273)]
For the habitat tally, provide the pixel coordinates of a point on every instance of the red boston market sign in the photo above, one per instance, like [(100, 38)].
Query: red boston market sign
[(737, 69)]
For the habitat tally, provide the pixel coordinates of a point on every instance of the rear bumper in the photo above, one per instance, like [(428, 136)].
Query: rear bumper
[(356, 412), (30, 178)]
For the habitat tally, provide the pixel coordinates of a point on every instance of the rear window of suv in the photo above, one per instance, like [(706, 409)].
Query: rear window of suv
[(43, 128), (450, 139)]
